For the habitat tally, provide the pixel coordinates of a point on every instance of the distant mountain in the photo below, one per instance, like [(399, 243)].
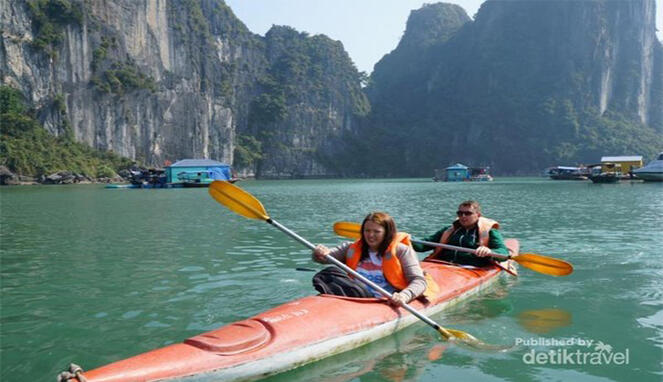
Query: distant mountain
[(525, 85)]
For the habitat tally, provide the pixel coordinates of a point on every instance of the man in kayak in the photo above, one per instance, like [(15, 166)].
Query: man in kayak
[(469, 230), (384, 256)]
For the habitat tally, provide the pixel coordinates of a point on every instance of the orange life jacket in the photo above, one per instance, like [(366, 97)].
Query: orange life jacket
[(484, 226), (391, 266)]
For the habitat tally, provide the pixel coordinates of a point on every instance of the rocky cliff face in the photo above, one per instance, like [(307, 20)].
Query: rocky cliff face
[(158, 80), (526, 85), (310, 96), (610, 44), (171, 113)]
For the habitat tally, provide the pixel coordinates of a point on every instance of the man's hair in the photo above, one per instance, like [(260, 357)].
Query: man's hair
[(471, 203), (389, 225)]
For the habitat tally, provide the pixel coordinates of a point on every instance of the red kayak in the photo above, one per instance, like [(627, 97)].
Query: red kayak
[(293, 334)]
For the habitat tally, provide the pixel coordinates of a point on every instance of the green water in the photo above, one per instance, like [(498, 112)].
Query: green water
[(92, 275)]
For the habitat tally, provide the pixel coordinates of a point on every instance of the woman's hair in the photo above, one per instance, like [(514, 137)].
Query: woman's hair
[(389, 225)]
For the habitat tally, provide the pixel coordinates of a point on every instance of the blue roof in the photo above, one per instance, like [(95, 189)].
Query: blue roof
[(197, 163), (457, 166)]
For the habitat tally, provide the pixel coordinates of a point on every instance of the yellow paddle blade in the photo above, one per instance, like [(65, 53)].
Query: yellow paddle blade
[(237, 200), (348, 229), (543, 264), (465, 339)]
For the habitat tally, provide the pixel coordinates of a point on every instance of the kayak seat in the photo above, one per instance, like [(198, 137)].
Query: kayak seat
[(239, 337)]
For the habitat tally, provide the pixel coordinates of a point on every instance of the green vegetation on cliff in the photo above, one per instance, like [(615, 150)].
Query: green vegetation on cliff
[(116, 77), (49, 18), (309, 93), (248, 150), (120, 78), (307, 69), (28, 149)]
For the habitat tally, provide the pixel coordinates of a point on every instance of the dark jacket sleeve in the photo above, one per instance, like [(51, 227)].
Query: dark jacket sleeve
[(496, 243), (435, 238)]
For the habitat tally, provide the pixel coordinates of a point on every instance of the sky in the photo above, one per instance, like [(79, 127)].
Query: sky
[(368, 29)]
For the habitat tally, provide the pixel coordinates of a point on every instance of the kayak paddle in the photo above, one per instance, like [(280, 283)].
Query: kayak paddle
[(538, 263), (245, 204)]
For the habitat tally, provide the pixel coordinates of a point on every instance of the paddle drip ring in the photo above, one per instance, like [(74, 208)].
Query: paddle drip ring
[(74, 371)]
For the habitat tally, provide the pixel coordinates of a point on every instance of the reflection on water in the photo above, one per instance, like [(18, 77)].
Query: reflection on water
[(544, 321), (398, 357)]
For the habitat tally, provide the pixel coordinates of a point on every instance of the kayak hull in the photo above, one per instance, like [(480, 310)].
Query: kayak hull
[(293, 334)]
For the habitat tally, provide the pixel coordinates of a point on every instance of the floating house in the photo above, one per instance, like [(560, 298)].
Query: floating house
[(457, 173), (626, 163), (461, 173), (197, 172)]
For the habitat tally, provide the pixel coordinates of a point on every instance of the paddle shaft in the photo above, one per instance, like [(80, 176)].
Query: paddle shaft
[(363, 279), (474, 251), (460, 249)]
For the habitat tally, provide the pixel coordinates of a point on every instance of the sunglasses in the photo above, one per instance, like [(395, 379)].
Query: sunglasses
[(464, 213)]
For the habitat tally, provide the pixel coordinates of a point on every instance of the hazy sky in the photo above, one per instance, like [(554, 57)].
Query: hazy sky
[(368, 29)]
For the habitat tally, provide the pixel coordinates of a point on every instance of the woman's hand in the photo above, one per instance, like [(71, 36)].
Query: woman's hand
[(483, 251), (398, 299), (319, 253)]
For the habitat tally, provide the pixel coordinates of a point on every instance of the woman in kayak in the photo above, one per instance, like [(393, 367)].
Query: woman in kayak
[(382, 255)]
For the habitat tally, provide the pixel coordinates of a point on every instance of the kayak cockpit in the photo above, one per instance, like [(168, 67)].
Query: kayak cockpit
[(236, 338)]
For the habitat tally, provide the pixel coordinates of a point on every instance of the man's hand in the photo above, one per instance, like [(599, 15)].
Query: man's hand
[(483, 251)]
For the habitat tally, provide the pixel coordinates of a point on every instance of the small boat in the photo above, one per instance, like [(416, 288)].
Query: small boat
[(566, 173), (295, 333), (606, 177), (598, 176), (114, 185), (480, 174), (652, 172), (481, 178)]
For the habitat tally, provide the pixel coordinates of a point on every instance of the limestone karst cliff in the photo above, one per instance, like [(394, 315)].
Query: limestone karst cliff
[(158, 80), (525, 85)]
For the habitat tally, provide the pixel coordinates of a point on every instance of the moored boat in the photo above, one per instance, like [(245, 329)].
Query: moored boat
[(598, 176), (605, 177), (653, 171), (567, 173), (294, 334), (130, 185)]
